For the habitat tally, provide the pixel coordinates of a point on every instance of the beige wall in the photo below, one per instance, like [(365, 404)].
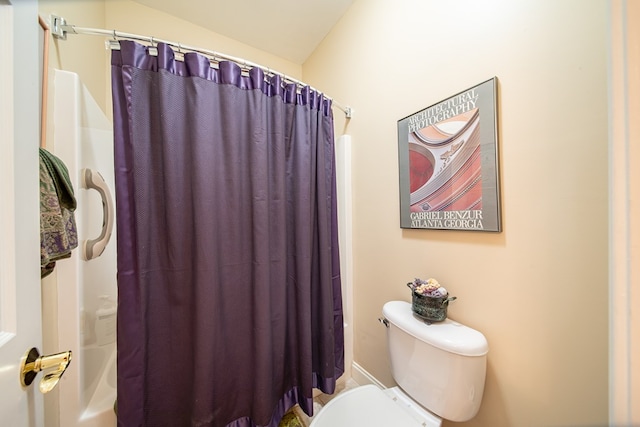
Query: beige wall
[(539, 289)]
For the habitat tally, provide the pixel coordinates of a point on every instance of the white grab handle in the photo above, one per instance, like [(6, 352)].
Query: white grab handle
[(93, 248)]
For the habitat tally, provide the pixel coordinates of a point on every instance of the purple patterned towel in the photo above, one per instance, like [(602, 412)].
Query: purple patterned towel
[(58, 234)]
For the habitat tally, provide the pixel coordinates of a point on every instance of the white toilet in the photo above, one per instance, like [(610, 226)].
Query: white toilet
[(440, 370)]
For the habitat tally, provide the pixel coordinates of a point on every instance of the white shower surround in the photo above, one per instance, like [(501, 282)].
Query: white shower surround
[(83, 138)]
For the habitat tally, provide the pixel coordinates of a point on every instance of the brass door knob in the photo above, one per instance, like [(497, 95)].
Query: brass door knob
[(32, 363)]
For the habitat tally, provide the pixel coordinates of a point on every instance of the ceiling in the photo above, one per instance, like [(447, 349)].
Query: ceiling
[(290, 29)]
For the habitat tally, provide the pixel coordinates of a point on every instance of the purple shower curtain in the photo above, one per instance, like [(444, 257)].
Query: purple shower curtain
[(229, 298)]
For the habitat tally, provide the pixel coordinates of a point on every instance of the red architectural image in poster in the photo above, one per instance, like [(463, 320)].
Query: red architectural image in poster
[(445, 169)]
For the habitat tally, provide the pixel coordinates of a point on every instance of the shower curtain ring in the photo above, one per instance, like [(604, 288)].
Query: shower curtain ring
[(153, 50), (112, 44)]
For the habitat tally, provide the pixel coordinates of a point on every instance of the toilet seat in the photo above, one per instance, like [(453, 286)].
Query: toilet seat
[(371, 406)]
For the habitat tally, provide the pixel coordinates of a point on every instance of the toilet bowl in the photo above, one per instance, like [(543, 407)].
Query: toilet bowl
[(372, 406), (440, 370)]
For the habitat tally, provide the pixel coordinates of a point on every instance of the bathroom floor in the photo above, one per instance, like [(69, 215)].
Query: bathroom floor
[(322, 399)]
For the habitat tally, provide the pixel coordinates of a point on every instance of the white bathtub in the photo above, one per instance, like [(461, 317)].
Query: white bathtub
[(99, 383)]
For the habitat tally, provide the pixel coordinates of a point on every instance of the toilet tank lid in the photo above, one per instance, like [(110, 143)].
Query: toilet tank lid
[(447, 335)]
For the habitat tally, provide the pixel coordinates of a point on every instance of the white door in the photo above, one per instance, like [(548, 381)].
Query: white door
[(20, 312)]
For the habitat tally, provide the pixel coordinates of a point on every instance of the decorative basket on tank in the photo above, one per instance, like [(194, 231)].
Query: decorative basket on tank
[(429, 300)]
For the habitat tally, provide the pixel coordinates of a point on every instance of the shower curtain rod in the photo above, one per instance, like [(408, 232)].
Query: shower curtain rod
[(60, 29)]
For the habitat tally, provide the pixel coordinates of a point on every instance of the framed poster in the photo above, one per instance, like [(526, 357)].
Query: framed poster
[(448, 157)]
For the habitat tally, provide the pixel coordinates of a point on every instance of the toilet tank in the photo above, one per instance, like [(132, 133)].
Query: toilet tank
[(442, 366)]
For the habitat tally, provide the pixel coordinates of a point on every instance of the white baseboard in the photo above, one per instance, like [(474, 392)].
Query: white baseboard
[(362, 377)]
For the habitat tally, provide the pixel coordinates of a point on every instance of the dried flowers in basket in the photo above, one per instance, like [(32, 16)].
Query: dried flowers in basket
[(429, 299)]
